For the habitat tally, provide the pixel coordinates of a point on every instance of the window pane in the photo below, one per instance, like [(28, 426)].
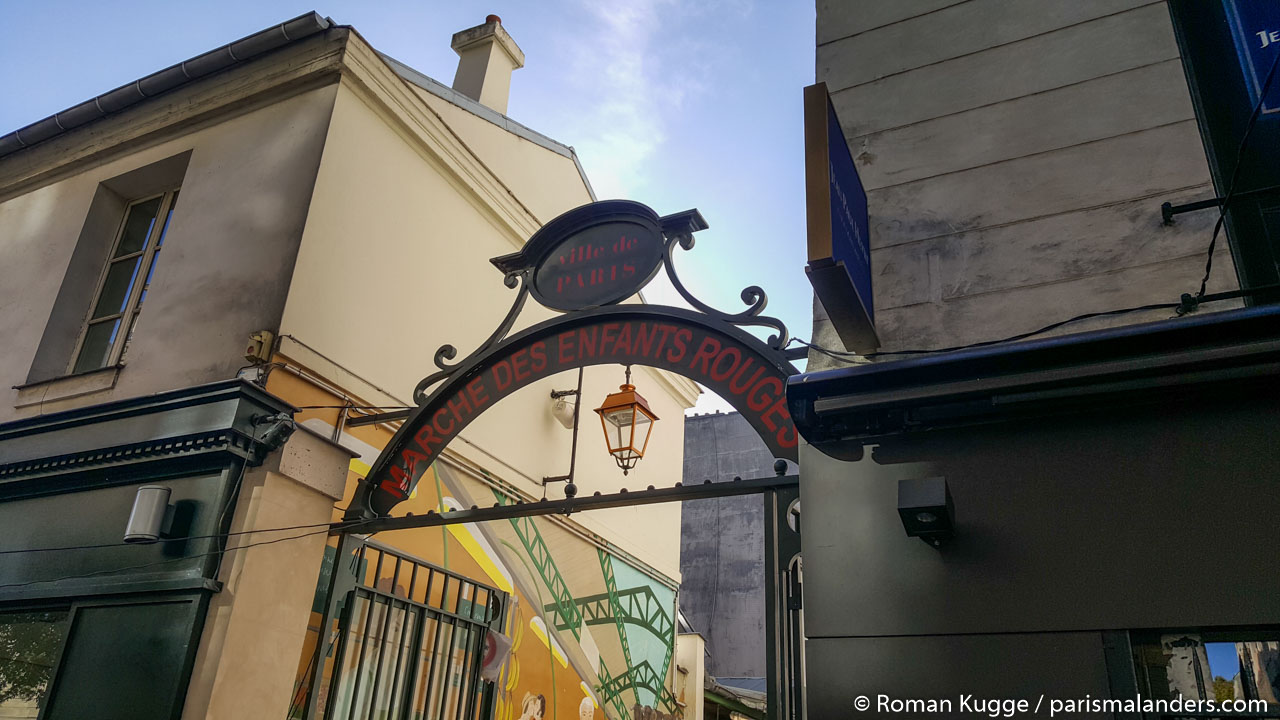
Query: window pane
[(147, 284), (29, 644), (167, 217), (137, 227), (116, 288), (128, 336), (97, 346)]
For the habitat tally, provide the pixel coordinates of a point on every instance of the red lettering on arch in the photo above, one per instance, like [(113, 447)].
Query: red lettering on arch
[(426, 436), (644, 339), (622, 345), (706, 352), (538, 354), (779, 409), (787, 436), (441, 428), (587, 343), (501, 375), (758, 402), (680, 348), (458, 405), (736, 385), (397, 485), (565, 348), (476, 391), (719, 371)]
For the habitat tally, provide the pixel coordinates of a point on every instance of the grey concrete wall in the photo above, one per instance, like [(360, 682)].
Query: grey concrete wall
[(1065, 528), (1015, 156), (223, 272), (722, 545)]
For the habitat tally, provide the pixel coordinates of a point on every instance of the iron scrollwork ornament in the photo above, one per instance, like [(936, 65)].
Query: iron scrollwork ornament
[(753, 295), (448, 352), (596, 255)]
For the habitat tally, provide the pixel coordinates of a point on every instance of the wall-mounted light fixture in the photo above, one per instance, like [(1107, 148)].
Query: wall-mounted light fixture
[(627, 422), (567, 414), (152, 515), (925, 506), (564, 407)]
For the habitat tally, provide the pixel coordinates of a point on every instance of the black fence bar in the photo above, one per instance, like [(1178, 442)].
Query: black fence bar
[(435, 645), (381, 648), (567, 506)]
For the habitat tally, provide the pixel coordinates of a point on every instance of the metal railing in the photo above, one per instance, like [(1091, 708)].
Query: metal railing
[(406, 639)]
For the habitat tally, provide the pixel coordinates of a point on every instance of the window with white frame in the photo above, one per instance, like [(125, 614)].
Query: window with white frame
[(123, 286)]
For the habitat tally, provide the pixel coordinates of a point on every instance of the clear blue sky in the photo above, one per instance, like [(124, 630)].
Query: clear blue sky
[(675, 103)]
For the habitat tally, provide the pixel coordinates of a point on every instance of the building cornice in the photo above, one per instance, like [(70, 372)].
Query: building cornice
[(216, 418), (292, 69)]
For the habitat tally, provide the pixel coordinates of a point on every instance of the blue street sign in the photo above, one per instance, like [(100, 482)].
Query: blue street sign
[(1255, 27), (839, 232), (850, 234)]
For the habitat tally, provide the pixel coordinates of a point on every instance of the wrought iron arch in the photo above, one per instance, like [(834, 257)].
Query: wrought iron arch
[(709, 346)]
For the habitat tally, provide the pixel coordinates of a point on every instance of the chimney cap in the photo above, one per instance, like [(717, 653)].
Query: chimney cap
[(488, 32), (492, 19)]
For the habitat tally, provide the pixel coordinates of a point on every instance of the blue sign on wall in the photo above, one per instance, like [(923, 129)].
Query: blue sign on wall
[(850, 236), (839, 233), (1255, 27)]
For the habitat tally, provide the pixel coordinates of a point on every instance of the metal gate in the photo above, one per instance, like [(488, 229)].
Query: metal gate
[(408, 641)]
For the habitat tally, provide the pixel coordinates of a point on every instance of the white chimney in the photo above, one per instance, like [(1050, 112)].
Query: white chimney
[(486, 58)]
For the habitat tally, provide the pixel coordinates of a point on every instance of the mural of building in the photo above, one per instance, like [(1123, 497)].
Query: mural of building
[(279, 234)]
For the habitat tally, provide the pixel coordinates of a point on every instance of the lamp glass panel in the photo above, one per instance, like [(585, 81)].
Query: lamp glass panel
[(642, 428), (617, 426)]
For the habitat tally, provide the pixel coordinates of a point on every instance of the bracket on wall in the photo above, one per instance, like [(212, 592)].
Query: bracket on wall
[(1168, 210), (570, 489)]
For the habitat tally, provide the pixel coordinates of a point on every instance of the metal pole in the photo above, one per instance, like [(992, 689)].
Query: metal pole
[(624, 498)]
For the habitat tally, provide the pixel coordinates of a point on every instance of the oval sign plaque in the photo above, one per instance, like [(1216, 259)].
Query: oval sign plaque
[(600, 265), (591, 256)]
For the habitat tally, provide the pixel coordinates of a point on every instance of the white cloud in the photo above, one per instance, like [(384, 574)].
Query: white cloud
[(628, 80)]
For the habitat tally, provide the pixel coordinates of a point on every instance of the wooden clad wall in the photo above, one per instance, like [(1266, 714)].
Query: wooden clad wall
[(1015, 156)]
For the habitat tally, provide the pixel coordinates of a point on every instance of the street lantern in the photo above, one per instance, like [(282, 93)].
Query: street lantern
[(627, 422)]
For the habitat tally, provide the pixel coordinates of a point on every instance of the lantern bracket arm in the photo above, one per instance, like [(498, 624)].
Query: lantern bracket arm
[(753, 295), (448, 352)]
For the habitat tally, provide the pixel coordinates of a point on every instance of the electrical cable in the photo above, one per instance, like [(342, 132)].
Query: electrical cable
[(170, 560), (329, 525), (1187, 304), (843, 354), (1235, 175)]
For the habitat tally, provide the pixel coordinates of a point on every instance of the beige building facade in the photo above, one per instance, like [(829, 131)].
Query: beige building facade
[(325, 221)]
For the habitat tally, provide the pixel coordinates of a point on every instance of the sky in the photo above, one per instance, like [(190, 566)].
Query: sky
[(673, 103)]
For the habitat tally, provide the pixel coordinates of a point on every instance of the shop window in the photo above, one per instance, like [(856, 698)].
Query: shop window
[(29, 647), (1220, 666)]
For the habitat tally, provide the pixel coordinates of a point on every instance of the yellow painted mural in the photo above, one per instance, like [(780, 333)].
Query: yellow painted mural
[(592, 631)]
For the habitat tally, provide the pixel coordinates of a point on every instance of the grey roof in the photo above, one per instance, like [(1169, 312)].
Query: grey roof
[(750, 684), (241, 50), (160, 82)]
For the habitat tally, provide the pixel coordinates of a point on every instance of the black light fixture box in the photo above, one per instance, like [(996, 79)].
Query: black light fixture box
[(925, 506)]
